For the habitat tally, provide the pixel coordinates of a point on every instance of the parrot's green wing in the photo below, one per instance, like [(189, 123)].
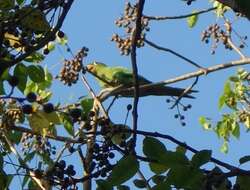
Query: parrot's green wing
[(113, 76), (110, 77)]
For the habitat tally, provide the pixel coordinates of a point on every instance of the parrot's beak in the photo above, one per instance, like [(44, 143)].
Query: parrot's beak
[(90, 67)]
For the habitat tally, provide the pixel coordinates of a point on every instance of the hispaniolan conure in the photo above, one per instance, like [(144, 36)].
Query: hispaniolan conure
[(242, 6), (109, 77)]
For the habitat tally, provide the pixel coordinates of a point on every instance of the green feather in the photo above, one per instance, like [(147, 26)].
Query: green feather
[(110, 77)]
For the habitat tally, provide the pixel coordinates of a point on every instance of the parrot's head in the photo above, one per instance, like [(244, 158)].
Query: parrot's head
[(95, 65)]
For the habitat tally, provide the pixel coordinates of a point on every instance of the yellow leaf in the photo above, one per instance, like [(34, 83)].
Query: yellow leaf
[(43, 123)]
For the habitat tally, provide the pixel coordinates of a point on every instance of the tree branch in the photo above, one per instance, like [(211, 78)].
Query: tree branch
[(179, 17), (135, 36)]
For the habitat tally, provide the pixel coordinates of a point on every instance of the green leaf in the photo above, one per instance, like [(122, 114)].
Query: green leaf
[(181, 149), (7, 4), (103, 185), (192, 20), (41, 122), (31, 87), (153, 148), (157, 179), (125, 169), (67, 123), (25, 180), (3, 180), (185, 177), (2, 91), (29, 156), (123, 187), (162, 186), (87, 104), (173, 159), (9, 180), (227, 89), (158, 168), (244, 159), (235, 129), (224, 147), (139, 183), (35, 21), (205, 123), (35, 57), (50, 46), (36, 73), (243, 181), (20, 2), (201, 158), (14, 136), (20, 72), (62, 41), (222, 101), (234, 79)]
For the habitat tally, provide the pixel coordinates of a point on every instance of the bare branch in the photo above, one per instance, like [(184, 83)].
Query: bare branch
[(135, 36), (179, 17), (174, 53)]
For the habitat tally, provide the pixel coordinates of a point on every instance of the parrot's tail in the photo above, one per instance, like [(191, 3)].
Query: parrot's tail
[(172, 91), (158, 91)]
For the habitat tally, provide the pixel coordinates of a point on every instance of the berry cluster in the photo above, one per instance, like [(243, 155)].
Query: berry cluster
[(62, 174), (101, 155), (11, 112), (217, 34), (127, 21), (71, 68), (37, 143), (179, 115)]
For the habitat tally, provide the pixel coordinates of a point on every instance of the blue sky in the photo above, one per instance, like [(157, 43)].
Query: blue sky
[(91, 24)]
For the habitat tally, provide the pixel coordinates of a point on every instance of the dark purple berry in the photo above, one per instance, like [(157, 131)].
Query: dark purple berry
[(31, 97), (48, 108), (75, 113), (27, 109), (46, 51), (111, 155), (60, 34), (129, 107)]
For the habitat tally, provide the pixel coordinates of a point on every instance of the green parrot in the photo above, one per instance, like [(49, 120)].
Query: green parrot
[(111, 77), (241, 6)]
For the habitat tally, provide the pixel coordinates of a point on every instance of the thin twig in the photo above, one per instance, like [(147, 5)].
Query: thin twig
[(180, 16), (174, 53), (229, 41), (85, 82)]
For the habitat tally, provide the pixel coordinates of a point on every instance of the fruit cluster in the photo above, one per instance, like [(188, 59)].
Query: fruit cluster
[(62, 174), (37, 143), (69, 73), (101, 156), (127, 21), (217, 34)]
